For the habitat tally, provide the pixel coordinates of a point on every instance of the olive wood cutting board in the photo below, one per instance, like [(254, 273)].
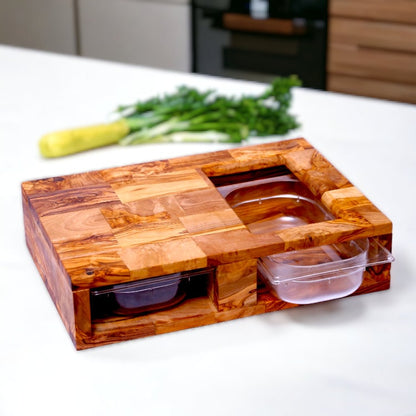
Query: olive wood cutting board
[(123, 224)]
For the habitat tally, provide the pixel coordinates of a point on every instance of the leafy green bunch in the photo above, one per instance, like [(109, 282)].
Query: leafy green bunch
[(188, 115)]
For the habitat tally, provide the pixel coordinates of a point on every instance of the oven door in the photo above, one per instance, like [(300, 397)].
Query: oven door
[(232, 44)]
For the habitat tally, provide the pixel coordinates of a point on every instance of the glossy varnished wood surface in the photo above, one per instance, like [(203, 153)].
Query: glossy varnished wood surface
[(123, 224), (157, 218)]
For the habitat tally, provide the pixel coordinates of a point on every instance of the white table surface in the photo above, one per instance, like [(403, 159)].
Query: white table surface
[(353, 356)]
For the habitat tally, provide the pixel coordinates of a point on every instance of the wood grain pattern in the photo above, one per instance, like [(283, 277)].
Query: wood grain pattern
[(234, 285), (72, 199), (376, 35), (96, 268), (50, 269), (82, 313), (372, 48), (237, 245), (402, 11), (164, 257), (157, 184), (315, 171), (141, 221), (372, 88), (349, 203), (372, 63), (45, 186), (75, 225)]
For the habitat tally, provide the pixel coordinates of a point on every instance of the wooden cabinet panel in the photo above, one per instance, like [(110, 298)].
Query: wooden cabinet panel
[(372, 63), (403, 11), (372, 88), (372, 48), (377, 35)]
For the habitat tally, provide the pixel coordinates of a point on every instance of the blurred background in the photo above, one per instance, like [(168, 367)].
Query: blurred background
[(360, 47)]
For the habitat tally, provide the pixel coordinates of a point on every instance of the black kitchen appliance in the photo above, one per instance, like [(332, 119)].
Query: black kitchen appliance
[(261, 39)]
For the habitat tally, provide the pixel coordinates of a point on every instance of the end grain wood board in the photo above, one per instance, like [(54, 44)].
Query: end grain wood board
[(119, 225)]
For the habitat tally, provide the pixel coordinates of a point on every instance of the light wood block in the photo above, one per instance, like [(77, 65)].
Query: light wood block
[(234, 285)]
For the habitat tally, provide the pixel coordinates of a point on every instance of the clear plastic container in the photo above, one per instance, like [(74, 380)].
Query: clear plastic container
[(273, 204), (321, 273), (147, 295), (306, 276)]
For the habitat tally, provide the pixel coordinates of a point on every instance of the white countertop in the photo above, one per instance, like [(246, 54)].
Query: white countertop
[(353, 356)]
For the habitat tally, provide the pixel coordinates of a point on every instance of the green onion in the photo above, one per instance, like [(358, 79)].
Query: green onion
[(187, 115)]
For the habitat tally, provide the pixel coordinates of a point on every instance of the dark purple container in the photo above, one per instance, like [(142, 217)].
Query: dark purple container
[(147, 295)]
